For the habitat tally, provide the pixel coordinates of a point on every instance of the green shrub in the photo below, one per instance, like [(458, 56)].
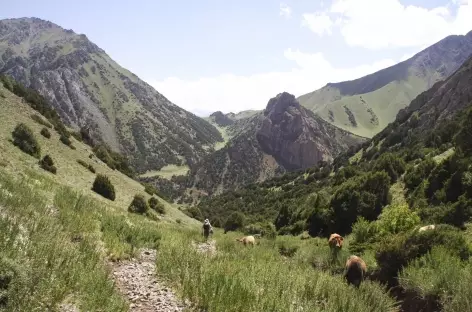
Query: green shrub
[(364, 234), (456, 214), (395, 251), (113, 159), (47, 164), (235, 221), (41, 121), (434, 274), (65, 140), (156, 205), (150, 189), (138, 205), (24, 139), (392, 164), (396, 219), (88, 166), (194, 212), (287, 249), (103, 186), (45, 133), (266, 229)]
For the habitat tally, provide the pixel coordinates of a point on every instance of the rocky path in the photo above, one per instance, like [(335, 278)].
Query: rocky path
[(206, 248), (137, 281)]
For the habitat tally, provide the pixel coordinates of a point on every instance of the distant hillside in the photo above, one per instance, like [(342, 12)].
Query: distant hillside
[(367, 105), (90, 90), (283, 137), (421, 161)]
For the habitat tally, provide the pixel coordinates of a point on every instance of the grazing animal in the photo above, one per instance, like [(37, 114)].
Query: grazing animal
[(335, 243), (427, 227), (355, 270), (207, 229), (247, 240)]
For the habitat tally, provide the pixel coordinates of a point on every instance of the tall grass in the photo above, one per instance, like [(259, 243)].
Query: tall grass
[(43, 264), (442, 275), (242, 278)]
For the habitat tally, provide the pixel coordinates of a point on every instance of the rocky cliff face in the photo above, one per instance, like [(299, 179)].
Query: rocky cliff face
[(296, 137), (89, 89), (283, 137), (441, 102)]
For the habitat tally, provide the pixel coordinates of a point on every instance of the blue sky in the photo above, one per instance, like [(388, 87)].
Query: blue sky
[(232, 55)]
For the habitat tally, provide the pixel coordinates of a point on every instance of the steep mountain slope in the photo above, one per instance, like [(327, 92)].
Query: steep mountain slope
[(283, 137), (89, 89), (367, 105), (70, 173)]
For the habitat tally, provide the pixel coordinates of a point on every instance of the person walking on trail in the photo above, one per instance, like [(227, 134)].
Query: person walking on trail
[(207, 229)]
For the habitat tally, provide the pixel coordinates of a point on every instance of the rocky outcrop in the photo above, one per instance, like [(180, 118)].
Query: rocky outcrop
[(296, 137), (283, 137), (89, 89)]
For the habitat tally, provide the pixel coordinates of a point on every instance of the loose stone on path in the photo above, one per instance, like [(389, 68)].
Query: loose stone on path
[(137, 281)]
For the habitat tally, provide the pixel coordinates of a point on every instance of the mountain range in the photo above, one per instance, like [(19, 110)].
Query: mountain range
[(89, 89), (366, 105)]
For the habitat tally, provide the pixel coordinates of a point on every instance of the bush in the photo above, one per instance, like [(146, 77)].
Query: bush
[(88, 166), (156, 205), (235, 221), (364, 234), (138, 205), (392, 164), (45, 133), (266, 229), (24, 139), (287, 249), (194, 212), (41, 121), (434, 274), (65, 140), (47, 164), (394, 252), (150, 189), (102, 185), (396, 219)]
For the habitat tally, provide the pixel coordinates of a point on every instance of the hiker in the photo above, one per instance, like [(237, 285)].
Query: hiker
[(207, 229)]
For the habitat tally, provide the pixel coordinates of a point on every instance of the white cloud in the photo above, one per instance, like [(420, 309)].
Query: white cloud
[(383, 24), (319, 23), (285, 11), (235, 93)]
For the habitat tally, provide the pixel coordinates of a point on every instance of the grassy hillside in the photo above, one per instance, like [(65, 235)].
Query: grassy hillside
[(415, 172), (14, 110), (367, 105)]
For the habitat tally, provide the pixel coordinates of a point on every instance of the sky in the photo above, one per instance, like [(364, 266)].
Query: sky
[(211, 55)]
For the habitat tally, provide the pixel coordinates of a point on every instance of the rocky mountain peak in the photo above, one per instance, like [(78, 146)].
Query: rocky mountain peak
[(221, 119), (294, 136), (281, 103)]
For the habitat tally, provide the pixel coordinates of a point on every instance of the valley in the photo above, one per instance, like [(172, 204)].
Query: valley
[(105, 183)]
